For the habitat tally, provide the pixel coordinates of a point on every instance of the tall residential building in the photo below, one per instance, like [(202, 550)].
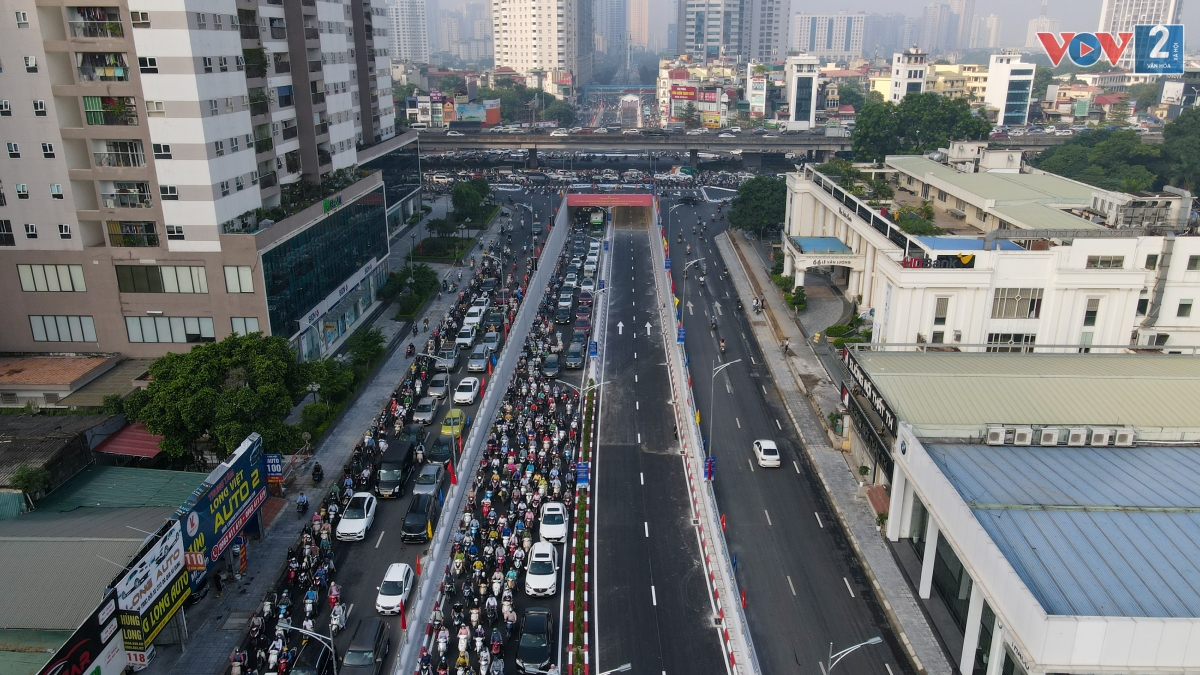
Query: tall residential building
[(711, 29), (612, 25), (908, 74), (543, 35), (768, 24), (938, 26), (1041, 24), (962, 22), (450, 31), (154, 170), (409, 32), (986, 32), (1009, 87), (802, 72), (639, 23), (831, 37), (1123, 15)]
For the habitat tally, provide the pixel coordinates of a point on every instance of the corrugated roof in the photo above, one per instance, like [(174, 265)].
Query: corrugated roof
[(1005, 188), (1096, 550), (131, 440), (1039, 216), (35, 439), (123, 487), (974, 389), (47, 370)]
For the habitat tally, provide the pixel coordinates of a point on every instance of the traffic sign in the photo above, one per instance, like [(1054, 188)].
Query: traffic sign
[(593, 349), (668, 264), (605, 244), (582, 471), (600, 284), (681, 335)]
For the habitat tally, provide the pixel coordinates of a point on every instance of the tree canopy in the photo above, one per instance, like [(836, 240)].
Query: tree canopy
[(1112, 160), (223, 390), (759, 204), (559, 111), (921, 123), (851, 94), (469, 199)]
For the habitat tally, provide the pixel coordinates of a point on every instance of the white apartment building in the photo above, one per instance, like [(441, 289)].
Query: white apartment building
[(1009, 88), (908, 74), (1122, 15), (802, 72), (830, 37), (409, 31), (1022, 269), (544, 35), (767, 24), (714, 29), (639, 23), (985, 32)]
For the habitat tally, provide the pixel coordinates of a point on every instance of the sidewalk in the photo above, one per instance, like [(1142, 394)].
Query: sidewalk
[(808, 392), (216, 624)]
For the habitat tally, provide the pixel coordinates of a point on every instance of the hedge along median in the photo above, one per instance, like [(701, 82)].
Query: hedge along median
[(442, 249), (410, 297), (581, 549)]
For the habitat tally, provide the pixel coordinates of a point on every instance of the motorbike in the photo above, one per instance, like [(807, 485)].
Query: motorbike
[(410, 350), (337, 619), (302, 507), (722, 345), (318, 474)]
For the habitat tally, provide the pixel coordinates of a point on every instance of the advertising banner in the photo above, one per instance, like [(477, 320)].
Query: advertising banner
[(436, 96), (491, 103), (710, 120), (1157, 49), (1172, 93), (153, 589), (470, 112), (680, 93), (274, 468), (95, 648), (224, 504), (708, 96)]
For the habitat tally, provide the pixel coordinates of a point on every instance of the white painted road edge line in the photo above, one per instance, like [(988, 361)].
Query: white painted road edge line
[(819, 523), (653, 597), (768, 516), (848, 586), (791, 586), (646, 525)]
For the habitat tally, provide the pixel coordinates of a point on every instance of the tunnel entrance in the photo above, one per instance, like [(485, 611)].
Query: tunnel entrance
[(626, 210)]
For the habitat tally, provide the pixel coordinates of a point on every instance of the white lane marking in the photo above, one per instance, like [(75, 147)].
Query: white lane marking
[(743, 335), (635, 356), (653, 597), (752, 361), (349, 610), (748, 461), (728, 388), (642, 476), (797, 465), (639, 443), (764, 387), (792, 586), (768, 516), (819, 523), (646, 526), (739, 422), (635, 378), (778, 424), (848, 586), (380, 540), (889, 669), (637, 405)]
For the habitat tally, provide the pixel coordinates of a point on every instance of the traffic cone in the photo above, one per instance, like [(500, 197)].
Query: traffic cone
[(403, 619), (418, 565)]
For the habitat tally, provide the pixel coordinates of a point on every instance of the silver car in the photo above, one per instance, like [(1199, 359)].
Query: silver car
[(426, 411), (478, 361), (439, 386), (491, 341), (430, 480)]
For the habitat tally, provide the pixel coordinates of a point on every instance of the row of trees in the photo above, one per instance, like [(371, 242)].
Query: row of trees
[(920, 123)]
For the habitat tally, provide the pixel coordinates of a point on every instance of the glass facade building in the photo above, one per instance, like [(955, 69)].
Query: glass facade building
[(302, 271), (401, 179)]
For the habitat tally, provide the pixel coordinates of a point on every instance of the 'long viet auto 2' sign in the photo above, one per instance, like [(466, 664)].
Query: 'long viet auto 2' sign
[(869, 391)]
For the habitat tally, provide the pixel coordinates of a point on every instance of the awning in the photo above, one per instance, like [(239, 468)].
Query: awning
[(131, 440)]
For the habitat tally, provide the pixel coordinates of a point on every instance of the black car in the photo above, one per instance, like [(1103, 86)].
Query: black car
[(655, 132), (574, 356), (420, 520), (562, 315), (488, 285), (690, 201), (534, 651), (550, 366), (493, 322), (314, 659), (442, 449), (369, 646), (396, 467)]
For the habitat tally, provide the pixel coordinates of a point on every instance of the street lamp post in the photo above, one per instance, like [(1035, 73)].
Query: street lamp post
[(669, 212), (314, 388), (619, 669), (711, 393), (326, 640), (834, 659)]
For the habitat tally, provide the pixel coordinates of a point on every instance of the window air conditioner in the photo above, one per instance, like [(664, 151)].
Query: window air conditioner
[(1101, 436), (1123, 438)]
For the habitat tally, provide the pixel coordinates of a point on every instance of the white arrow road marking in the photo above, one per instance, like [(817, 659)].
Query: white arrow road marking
[(717, 306), (647, 328), (620, 328), (689, 306)]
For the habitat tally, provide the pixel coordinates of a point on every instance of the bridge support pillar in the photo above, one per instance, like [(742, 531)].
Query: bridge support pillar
[(752, 159), (693, 158), (532, 163), (822, 156)]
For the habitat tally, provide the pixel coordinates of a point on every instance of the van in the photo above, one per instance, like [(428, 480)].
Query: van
[(314, 659), (420, 520), (369, 647), (395, 468)]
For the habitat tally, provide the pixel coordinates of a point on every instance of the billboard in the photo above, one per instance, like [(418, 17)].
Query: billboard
[(708, 96), (470, 112), (95, 648), (1157, 49), (1172, 93), (489, 104), (436, 96), (152, 590), (710, 120), (680, 93), (224, 504)]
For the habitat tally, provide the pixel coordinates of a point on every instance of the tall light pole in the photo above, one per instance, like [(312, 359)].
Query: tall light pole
[(834, 659), (326, 640), (619, 669), (711, 393), (669, 212)]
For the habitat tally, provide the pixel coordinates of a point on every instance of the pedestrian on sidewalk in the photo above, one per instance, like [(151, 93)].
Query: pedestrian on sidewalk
[(217, 582), (786, 343)]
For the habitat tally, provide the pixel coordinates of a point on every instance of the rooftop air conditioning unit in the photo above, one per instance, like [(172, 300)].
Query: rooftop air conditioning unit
[(1048, 436), (1124, 438), (1077, 436), (1101, 436), (1023, 436), (995, 436)]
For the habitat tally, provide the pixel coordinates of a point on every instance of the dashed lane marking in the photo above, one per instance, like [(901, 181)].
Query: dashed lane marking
[(848, 586), (819, 523), (790, 585), (768, 516)]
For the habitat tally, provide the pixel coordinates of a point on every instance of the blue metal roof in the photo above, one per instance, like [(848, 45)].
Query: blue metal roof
[(1118, 531), (963, 244), (821, 245)]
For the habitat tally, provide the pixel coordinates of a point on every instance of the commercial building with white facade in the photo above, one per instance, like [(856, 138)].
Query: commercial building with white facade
[(1044, 507), (908, 74), (802, 72), (1034, 259), (1009, 88)]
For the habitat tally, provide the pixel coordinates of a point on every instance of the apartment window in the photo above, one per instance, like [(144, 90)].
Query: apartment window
[(219, 147), (175, 232), (1011, 342), (39, 108), (148, 64), (254, 178), (1143, 306), (1089, 314), (161, 279), (169, 329), (201, 20), (53, 278), (224, 188), (22, 190), (940, 309), (207, 63), (64, 230), (214, 107), (62, 328), (239, 279), (30, 231), (156, 109), (140, 19), (31, 64), (168, 193), (14, 151), (223, 64), (22, 20), (48, 150), (1152, 261), (56, 191), (241, 62), (161, 150), (245, 325), (941, 195), (1099, 262), (925, 191), (233, 145), (5, 109), (217, 22), (1193, 263), (1185, 308), (239, 183), (1017, 303), (6, 234), (132, 233)]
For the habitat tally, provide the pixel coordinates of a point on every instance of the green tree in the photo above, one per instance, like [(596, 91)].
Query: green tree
[(466, 200), (559, 111), (689, 116), (223, 390), (1043, 77), (875, 132), (1119, 112), (365, 346), (442, 227), (30, 479), (759, 204), (1181, 148), (403, 91), (1145, 94), (1112, 160), (449, 84), (851, 93)]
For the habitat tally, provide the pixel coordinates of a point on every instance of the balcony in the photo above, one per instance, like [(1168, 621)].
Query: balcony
[(278, 33), (263, 145), (249, 31), (126, 200), (256, 70), (283, 67), (260, 108), (96, 29), (292, 160), (324, 158), (268, 180), (115, 73), (132, 234), (321, 129), (314, 66), (118, 159), (110, 111), (312, 34), (290, 132), (318, 97), (309, 3)]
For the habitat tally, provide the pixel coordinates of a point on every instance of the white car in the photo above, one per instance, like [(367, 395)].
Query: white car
[(560, 132), (735, 130), (466, 337), (455, 133), (632, 132), (474, 315), (541, 576), (553, 524), (600, 130), (588, 285), (726, 135), (466, 391), (693, 132), (393, 592), (357, 517), (766, 453), (571, 281)]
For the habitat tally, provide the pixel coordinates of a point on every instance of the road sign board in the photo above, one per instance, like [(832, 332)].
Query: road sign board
[(593, 349), (668, 264), (582, 471), (682, 334)]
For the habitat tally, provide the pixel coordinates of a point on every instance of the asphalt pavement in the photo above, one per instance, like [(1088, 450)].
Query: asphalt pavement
[(652, 600), (804, 588)]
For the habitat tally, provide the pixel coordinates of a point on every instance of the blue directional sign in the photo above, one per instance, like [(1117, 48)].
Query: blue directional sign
[(593, 349), (605, 244), (682, 334), (668, 264), (582, 471), (600, 284)]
